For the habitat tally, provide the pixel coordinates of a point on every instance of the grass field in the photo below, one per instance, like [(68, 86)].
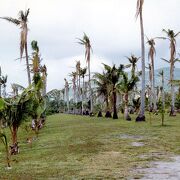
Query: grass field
[(78, 147)]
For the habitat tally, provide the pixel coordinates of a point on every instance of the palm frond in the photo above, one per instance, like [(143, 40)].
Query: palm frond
[(12, 20), (165, 60)]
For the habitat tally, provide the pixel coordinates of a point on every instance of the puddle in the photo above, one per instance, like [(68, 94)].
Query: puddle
[(127, 136), (163, 170), (137, 144)]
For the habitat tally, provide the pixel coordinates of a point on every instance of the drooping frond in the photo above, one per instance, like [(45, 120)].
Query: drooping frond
[(12, 20)]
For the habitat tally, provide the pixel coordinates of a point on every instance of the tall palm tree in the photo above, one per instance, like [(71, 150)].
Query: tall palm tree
[(125, 86), (82, 74), (22, 23), (139, 8), (151, 55), (171, 37), (162, 95), (86, 42), (74, 76), (78, 69)]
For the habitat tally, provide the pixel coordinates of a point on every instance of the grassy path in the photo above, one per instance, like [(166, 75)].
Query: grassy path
[(76, 147)]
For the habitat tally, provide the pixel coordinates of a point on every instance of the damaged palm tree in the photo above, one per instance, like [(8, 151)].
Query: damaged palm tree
[(162, 97), (125, 86), (171, 37), (139, 8), (151, 55), (86, 42), (22, 23)]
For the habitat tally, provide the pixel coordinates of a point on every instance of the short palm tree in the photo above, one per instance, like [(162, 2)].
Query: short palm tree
[(103, 90), (85, 41), (113, 75), (133, 64), (125, 86), (139, 8), (171, 37), (22, 23)]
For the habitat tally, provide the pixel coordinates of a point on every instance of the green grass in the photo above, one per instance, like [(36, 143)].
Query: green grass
[(78, 147)]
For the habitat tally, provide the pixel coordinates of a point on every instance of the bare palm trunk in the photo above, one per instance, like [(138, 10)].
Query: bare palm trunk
[(27, 65), (141, 116), (150, 90), (90, 90), (83, 97), (163, 100), (67, 99), (172, 90), (115, 116), (153, 88)]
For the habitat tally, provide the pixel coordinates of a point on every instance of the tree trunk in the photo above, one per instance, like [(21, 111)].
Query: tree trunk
[(172, 113), (163, 100), (126, 113), (115, 116), (141, 116), (27, 65), (83, 97), (14, 135), (153, 88), (90, 90), (108, 113)]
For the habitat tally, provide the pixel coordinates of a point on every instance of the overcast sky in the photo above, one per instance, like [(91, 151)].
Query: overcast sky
[(110, 25)]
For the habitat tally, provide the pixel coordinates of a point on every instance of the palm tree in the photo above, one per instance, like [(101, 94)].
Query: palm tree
[(163, 97), (113, 75), (22, 23), (86, 42), (171, 37), (139, 8), (103, 89), (125, 86), (151, 55), (133, 64), (74, 76), (78, 68), (82, 74)]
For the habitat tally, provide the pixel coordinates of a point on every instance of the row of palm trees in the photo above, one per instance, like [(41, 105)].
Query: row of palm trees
[(170, 36)]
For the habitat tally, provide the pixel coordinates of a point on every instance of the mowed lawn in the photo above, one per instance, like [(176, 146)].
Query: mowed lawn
[(79, 147)]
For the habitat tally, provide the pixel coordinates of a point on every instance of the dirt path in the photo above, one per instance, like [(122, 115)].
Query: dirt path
[(163, 170)]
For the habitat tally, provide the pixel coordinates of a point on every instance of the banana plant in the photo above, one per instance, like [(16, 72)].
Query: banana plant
[(3, 137)]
